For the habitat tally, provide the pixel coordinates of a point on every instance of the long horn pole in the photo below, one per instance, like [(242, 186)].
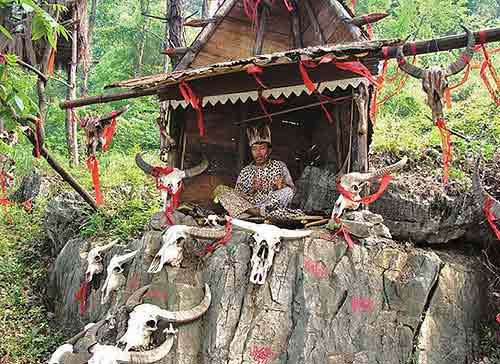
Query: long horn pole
[(389, 169), (188, 315), (196, 170), (136, 298), (142, 164), (465, 57), (150, 356), (409, 68)]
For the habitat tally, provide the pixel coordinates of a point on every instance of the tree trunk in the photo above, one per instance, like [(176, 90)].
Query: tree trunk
[(142, 37), (85, 73), (71, 123), (175, 27)]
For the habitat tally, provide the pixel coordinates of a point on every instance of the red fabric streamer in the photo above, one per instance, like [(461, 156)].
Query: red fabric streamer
[(369, 28), (288, 6), (447, 92), (93, 167), (347, 237), (255, 71), (224, 240), (81, 296), (50, 64), (498, 318), (109, 132), (305, 75), (446, 146), (263, 100), (491, 218), (353, 4), (378, 87), (38, 128), (3, 199), (175, 198), (371, 198), (400, 85), (355, 67), (2, 58), (191, 98), (486, 64)]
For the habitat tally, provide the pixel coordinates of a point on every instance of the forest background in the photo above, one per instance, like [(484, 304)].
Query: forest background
[(126, 44)]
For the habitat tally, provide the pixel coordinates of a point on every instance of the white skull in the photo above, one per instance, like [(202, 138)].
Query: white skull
[(172, 181), (142, 323), (115, 278), (94, 260), (57, 356), (171, 250), (267, 241)]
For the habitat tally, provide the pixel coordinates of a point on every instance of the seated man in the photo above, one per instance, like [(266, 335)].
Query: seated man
[(263, 185)]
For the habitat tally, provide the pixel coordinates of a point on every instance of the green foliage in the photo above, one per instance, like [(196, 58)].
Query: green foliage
[(489, 343)]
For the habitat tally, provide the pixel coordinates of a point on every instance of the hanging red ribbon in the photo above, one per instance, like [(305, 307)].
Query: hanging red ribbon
[(50, 64), (109, 132), (2, 58), (38, 128), (93, 167), (3, 198), (369, 28), (81, 296), (255, 71), (446, 147), (486, 64), (378, 87), (371, 198), (288, 6), (355, 67), (262, 100), (224, 240), (175, 198), (347, 237), (490, 216), (447, 92), (191, 98)]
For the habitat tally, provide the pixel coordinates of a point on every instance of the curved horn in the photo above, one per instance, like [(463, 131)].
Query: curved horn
[(150, 356), (480, 193), (196, 170), (188, 315), (106, 246), (409, 68), (75, 358), (206, 233), (136, 298), (246, 225), (389, 169), (122, 259), (142, 164), (90, 338), (294, 234), (465, 57), (74, 339)]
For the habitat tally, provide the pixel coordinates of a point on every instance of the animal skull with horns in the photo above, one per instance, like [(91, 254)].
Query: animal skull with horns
[(115, 278), (94, 260), (172, 181), (435, 79), (480, 193), (173, 238), (355, 181), (144, 318), (267, 240), (84, 348)]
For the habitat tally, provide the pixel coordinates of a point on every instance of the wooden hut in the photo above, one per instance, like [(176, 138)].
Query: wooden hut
[(215, 68)]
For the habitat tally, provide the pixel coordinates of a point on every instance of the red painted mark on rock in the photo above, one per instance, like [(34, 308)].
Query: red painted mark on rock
[(156, 293), (316, 269), (261, 354), (133, 282), (361, 304)]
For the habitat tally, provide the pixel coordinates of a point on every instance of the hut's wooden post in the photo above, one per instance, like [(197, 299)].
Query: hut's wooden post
[(71, 124)]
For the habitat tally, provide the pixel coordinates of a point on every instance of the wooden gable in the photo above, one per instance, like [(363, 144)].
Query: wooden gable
[(234, 35)]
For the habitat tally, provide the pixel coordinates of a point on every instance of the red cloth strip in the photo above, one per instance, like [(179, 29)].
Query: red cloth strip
[(486, 64), (288, 6), (224, 240), (303, 65), (378, 87), (369, 28), (255, 71), (355, 67), (93, 167), (263, 100), (81, 296), (174, 197), (400, 85), (109, 132), (447, 92), (446, 147), (4, 201), (2, 58), (371, 198), (191, 98), (490, 216), (38, 128), (50, 64), (347, 237)]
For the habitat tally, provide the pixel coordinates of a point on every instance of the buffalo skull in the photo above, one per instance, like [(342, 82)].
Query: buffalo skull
[(170, 183), (144, 318), (267, 240), (94, 260), (355, 181), (115, 278), (435, 79), (173, 238)]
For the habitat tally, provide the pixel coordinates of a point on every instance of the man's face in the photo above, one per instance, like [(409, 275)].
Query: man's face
[(260, 152)]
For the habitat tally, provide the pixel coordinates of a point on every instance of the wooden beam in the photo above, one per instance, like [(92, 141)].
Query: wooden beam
[(176, 51), (200, 23), (314, 21), (334, 101), (103, 98), (261, 30), (359, 21)]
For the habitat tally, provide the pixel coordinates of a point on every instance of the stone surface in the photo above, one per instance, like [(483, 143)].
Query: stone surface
[(64, 216), (382, 304)]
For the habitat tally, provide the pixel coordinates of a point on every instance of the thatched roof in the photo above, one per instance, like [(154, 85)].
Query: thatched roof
[(18, 23)]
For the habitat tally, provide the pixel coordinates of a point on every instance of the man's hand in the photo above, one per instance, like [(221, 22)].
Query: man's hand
[(279, 183)]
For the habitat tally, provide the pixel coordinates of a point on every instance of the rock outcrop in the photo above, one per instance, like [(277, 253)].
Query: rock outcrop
[(322, 303)]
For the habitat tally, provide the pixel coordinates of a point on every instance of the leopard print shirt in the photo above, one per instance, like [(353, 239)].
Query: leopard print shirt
[(267, 175)]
